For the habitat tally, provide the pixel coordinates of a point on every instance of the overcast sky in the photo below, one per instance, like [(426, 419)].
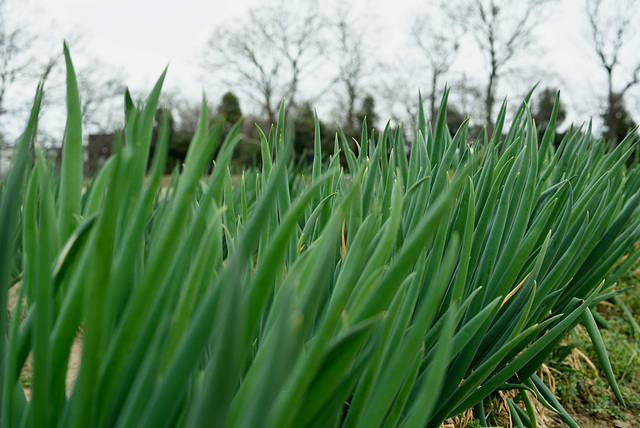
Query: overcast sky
[(143, 36)]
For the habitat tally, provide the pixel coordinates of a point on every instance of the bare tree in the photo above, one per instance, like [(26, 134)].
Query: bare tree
[(354, 59), (612, 30), (21, 54), (439, 46), (13, 41), (184, 111), (269, 53), (502, 30), (399, 93), (100, 88)]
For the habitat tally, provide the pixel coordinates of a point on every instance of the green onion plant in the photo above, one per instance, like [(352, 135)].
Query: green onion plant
[(398, 291)]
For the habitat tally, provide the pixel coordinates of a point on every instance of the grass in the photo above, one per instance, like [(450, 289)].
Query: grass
[(401, 290), (575, 372), (576, 369)]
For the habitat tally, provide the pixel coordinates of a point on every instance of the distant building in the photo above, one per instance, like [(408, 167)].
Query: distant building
[(97, 152)]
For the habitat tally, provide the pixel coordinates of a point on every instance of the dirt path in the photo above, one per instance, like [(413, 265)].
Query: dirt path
[(598, 420), (74, 358)]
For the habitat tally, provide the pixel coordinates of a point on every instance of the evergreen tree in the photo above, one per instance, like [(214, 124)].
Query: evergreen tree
[(304, 126), (368, 110), (541, 112), (623, 123), (229, 108), (455, 118)]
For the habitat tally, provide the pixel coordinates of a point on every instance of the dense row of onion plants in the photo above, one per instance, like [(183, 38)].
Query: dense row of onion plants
[(400, 290)]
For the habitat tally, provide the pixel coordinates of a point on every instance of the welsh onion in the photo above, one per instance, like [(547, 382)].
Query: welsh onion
[(400, 292)]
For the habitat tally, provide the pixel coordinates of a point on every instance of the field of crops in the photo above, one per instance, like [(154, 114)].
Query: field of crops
[(398, 291)]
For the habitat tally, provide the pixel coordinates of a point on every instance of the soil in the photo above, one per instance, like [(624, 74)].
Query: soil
[(597, 420)]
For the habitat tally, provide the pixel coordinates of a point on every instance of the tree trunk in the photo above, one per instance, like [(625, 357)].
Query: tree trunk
[(611, 114), (351, 108), (293, 88), (489, 100), (268, 108), (434, 88)]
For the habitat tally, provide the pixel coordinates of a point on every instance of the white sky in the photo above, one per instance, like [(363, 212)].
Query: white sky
[(143, 36)]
